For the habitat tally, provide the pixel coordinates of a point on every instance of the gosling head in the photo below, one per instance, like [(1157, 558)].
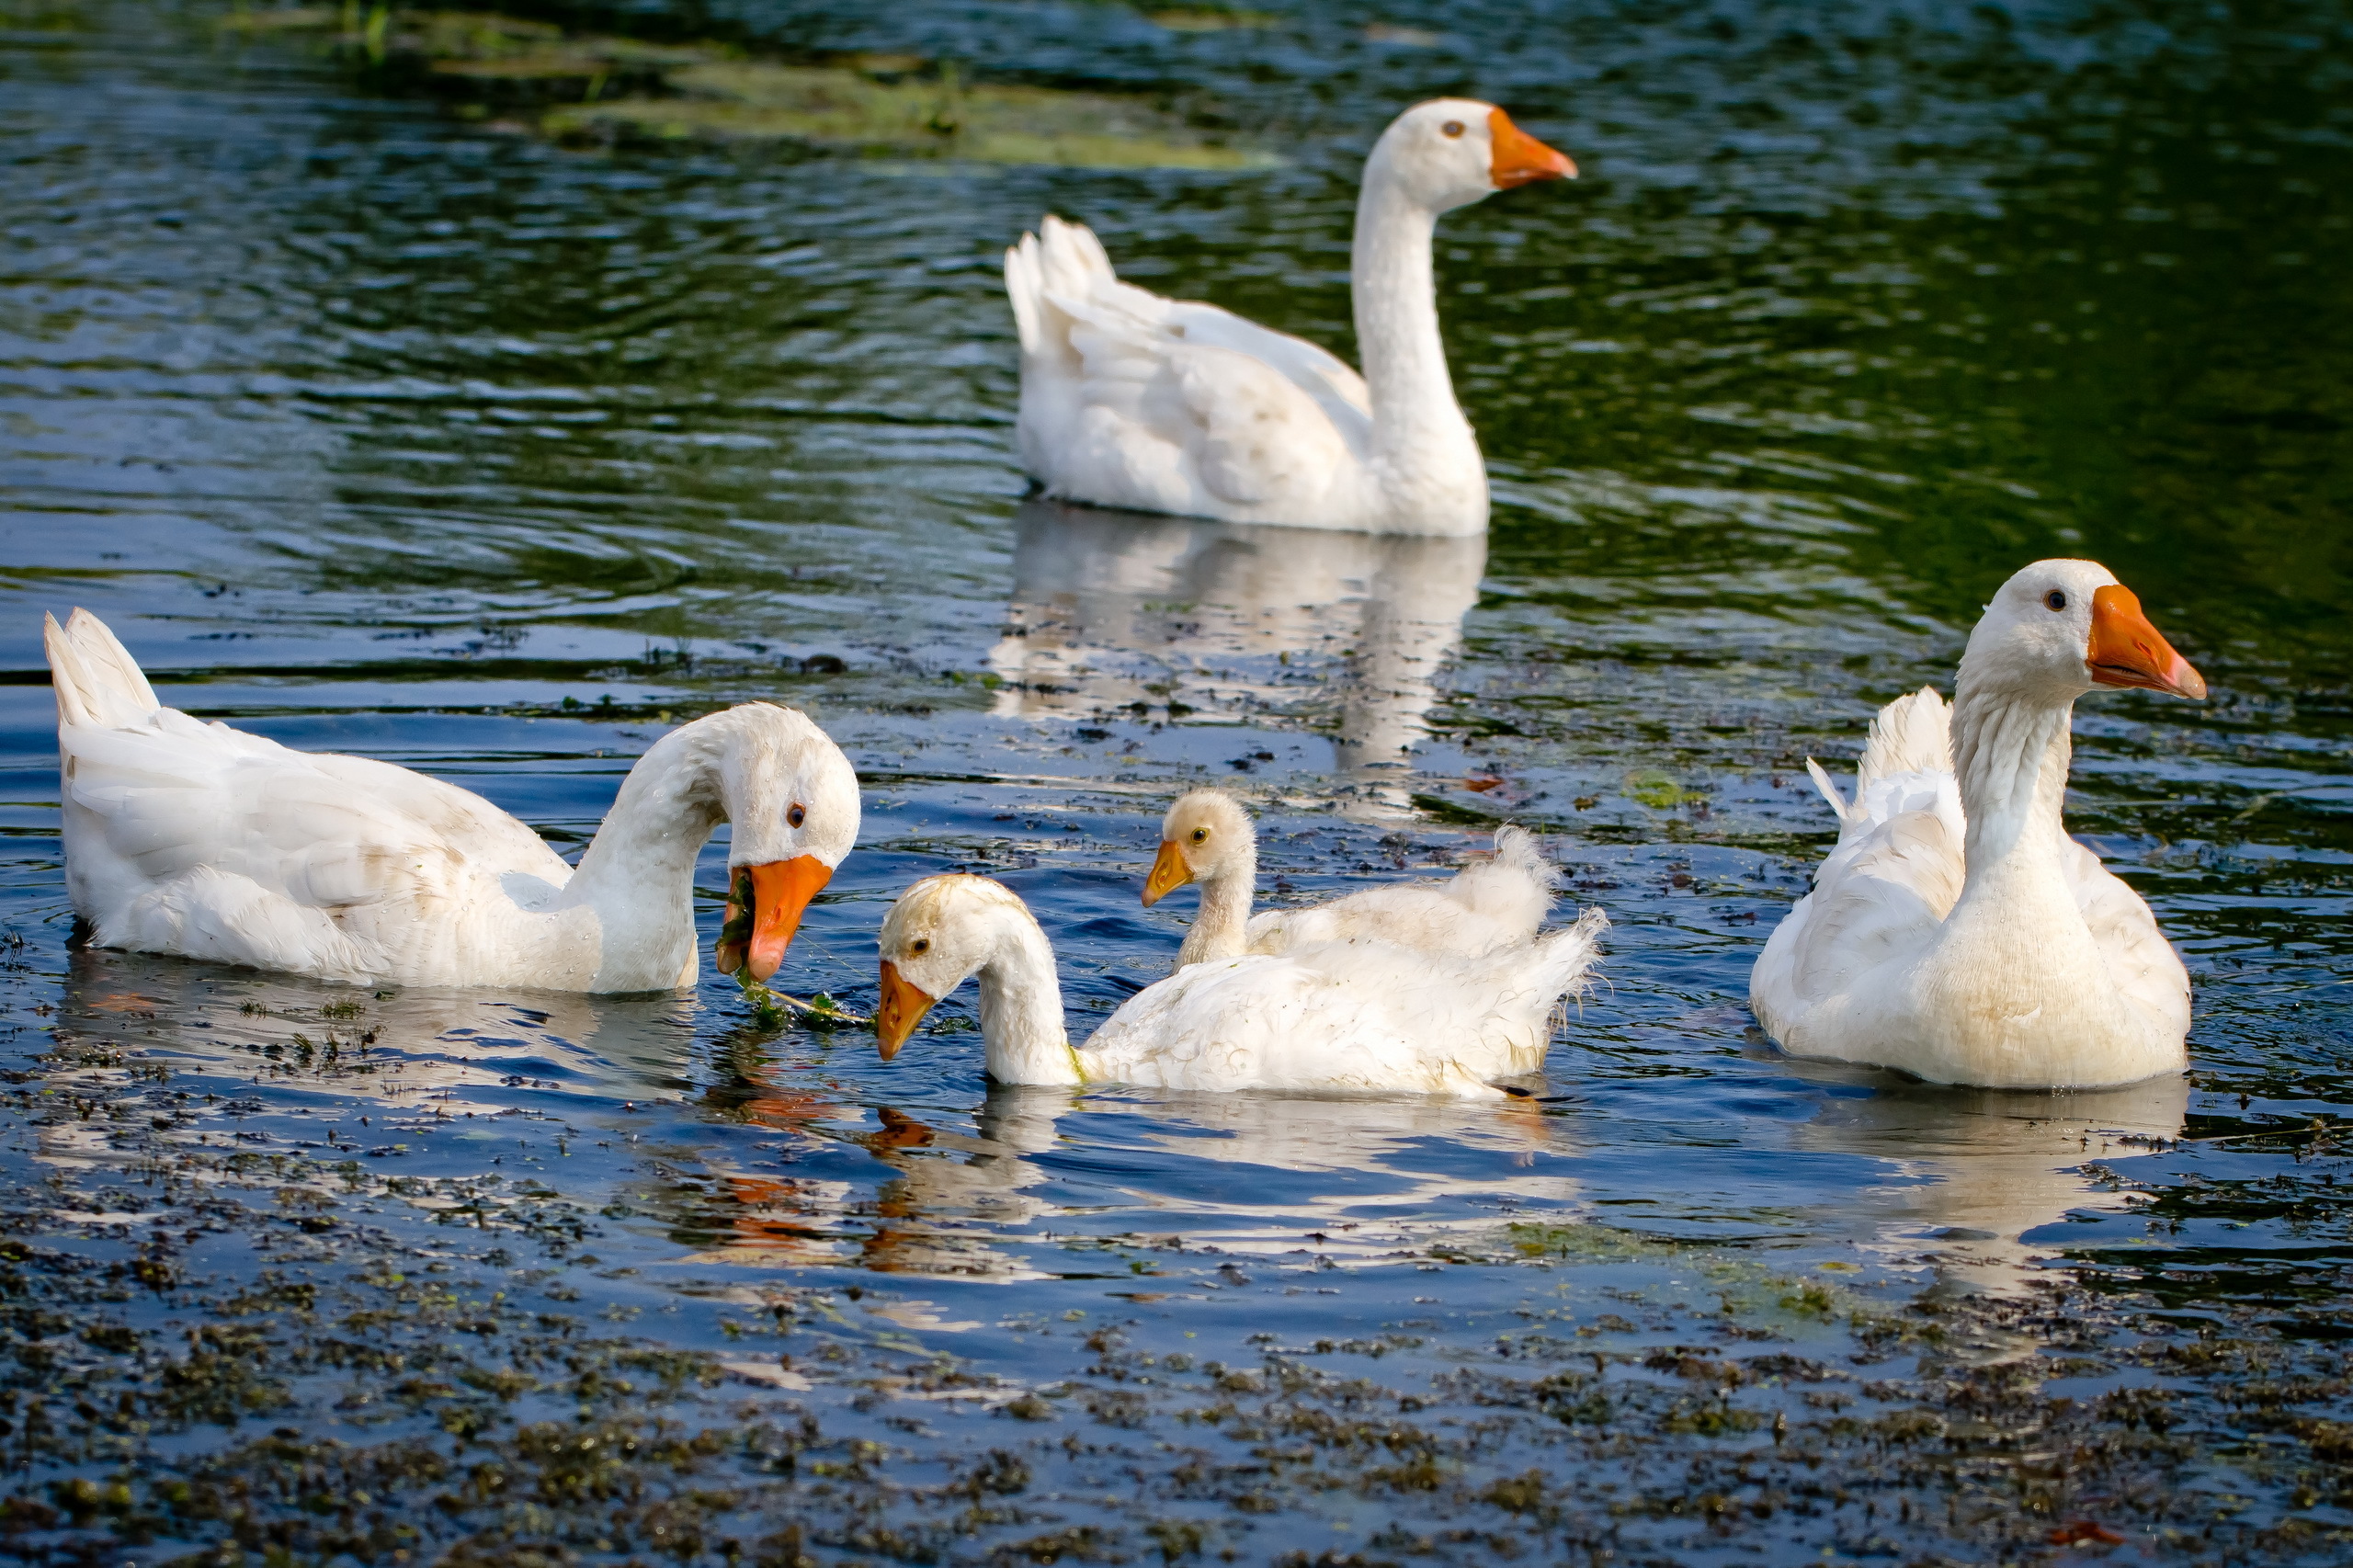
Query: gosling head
[(1449, 153), (1205, 835), (941, 933), (791, 802), (2058, 629)]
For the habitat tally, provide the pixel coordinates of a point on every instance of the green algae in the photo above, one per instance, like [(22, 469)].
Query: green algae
[(881, 105), (827, 106), (1210, 19)]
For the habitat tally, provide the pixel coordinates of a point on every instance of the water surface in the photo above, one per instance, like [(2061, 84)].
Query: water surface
[(370, 425)]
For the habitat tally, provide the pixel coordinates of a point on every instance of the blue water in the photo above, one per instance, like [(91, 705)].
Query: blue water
[(372, 429)]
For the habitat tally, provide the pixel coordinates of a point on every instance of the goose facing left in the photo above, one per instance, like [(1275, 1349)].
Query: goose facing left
[(200, 841)]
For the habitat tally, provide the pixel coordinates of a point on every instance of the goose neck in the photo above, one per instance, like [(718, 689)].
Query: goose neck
[(638, 872), (1219, 929), (2011, 753), (1415, 416), (1022, 1008)]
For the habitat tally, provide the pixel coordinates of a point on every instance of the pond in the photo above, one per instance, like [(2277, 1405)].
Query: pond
[(449, 418)]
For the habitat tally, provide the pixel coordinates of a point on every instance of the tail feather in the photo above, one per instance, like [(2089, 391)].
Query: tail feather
[(1829, 787), (1911, 735), (1514, 888), (98, 681), (1075, 252), (1024, 283), (1517, 848), (1564, 959)]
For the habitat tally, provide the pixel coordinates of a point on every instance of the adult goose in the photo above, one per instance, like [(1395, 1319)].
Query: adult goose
[(1207, 837), (199, 840), (1956, 932), (1166, 406), (1326, 1016)]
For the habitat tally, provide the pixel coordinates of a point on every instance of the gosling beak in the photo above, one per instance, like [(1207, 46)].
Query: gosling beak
[(2126, 650), (901, 1009), (764, 909), (1169, 872), (1518, 158)]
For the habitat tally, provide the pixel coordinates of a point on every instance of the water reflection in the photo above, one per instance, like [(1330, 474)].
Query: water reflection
[(1969, 1173), (1120, 609), (756, 1153), (332, 1054), (1238, 1174)]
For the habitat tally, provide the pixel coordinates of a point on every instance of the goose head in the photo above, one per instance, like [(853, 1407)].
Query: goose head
[(941, 933), (1205, 836), (1449, 153), (791, 800), (2058, 629)]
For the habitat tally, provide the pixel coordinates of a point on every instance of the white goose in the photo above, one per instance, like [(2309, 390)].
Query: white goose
[(1165, 405), (198, 840), (1956, 932), (1207, 838), (1328, 1016)]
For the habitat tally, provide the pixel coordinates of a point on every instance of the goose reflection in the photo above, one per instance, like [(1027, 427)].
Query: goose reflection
[(1119, 609), (401, 1050), (1241, 1173), (1970, 1171)]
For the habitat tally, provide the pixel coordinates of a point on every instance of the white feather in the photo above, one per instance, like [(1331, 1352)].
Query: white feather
[(1164, 405), (199, 840), (2037, 969)]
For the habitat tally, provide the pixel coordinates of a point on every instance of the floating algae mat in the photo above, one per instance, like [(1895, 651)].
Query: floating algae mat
[(869, 104), (743, 99)]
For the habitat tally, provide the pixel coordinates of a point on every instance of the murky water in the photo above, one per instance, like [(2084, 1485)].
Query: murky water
[(371, 426)]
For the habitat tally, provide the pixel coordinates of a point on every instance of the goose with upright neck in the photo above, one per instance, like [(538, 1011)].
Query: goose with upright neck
[(1168, 405), (1324, 1018), (203, 842), (1956, 932), (1208, 838)]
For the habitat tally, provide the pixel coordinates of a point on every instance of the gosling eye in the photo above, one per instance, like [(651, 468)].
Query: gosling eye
[(2056, 598), (920, 945), (795, 816), (1200, 833), (1452, 128)]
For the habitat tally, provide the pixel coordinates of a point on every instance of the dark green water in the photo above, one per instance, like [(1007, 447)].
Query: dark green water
[(369, 426)]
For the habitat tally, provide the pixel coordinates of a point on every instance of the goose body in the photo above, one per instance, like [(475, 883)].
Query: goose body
[(1167, 405), (1489, 906), (1323, 1017), (202, 841), (1956, 932)]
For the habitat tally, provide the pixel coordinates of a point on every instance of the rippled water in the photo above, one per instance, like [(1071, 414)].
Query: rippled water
[(369, 426)]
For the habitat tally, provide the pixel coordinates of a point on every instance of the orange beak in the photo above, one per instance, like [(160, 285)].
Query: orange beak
[(2126, 650), (1518, 158), (901, 1009), (1169, 872), (764, 909)]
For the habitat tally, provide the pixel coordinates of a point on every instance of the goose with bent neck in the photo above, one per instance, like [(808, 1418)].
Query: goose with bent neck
[(203, 842), (1170, 405), (1956, 932), (1329, 1016)]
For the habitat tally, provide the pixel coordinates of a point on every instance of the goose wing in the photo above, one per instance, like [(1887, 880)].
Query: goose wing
[(1893, 877), (1353, 1015), (2147, 972), (1131, 399), (1490, 904), (196, 839)]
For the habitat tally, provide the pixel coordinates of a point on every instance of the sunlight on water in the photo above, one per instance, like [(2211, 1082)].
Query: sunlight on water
[(373, 421)]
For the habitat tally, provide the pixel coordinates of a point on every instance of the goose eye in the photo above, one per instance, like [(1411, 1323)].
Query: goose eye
[(2056, 598), (1199, 833), (1452, 128), (795, 817)]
